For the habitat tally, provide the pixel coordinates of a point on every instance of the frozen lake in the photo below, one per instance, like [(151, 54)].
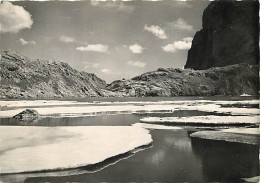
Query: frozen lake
[(172, 156)]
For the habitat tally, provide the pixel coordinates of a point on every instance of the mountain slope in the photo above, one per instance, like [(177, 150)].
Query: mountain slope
[(230, 80), (22, 77)]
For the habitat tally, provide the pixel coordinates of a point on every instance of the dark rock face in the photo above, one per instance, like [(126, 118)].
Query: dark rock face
[(27, 115), (25, 78), (229, 36), (230, 80)]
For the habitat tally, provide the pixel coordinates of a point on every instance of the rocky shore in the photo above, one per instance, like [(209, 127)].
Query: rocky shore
[(229, 80)]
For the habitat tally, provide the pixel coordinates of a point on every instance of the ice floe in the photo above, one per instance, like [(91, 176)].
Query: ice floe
[(33, 149), (212, 120), (227, 136), (218, 109), (252, 131), (156, 127)]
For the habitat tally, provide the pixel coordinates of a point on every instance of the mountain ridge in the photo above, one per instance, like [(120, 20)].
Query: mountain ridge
[(24, 78)]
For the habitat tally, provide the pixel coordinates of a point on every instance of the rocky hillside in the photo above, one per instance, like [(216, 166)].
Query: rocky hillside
[(230, 80), (229, 35), (22, 77)]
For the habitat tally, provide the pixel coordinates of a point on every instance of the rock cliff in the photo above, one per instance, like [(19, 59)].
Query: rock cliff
[(230, 80), (22, 77), (229, 35)]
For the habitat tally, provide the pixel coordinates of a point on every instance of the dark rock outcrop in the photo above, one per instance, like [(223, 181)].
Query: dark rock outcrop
[(22, 77), (230, 80), (27, 115), (229, 36)]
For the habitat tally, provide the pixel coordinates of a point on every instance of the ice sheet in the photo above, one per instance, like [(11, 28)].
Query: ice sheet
[(34, 103), (66, 111), (223, 120), (26, 149), (83, 110)]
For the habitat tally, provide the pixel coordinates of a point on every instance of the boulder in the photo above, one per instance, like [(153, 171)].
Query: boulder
[(27, 115)]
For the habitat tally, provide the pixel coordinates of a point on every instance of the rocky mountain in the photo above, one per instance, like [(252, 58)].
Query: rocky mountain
[(22, 77), (229, 35), (230, 80)]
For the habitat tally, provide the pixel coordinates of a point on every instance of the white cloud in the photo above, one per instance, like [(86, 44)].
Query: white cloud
[(66, 39), (188, 39), (110, 72), (106, 71), (136, 64), (181, 24), (136, 48), (185, 44), (91, 65), (119, 6), (24, 42), (156, 30), (14, 18), (94, 47)]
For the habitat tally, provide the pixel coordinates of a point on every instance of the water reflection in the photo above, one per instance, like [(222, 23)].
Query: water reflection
[(162, 163), (226, 162)]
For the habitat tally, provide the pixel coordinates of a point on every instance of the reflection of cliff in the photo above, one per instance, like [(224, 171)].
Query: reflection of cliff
[(226, 162), (229, 35)]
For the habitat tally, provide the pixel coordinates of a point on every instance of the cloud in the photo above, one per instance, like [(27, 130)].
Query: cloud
[(136, 64), (106, 70), (13, 18), (181, 4), (156, 30), (94, 47), (181, 24), (110, 72), (91, 65), (185, 44), (66, 39), (24, 42), (136, 48), (119, 6)]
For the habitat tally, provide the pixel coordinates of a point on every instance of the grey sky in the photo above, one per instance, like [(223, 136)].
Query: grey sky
[(114, 40)]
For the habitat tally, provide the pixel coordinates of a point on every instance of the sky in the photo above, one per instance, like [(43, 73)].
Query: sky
[(114, 40)]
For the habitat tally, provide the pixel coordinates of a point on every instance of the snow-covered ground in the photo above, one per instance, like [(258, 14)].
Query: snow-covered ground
[(210, 119), (27, 149)]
